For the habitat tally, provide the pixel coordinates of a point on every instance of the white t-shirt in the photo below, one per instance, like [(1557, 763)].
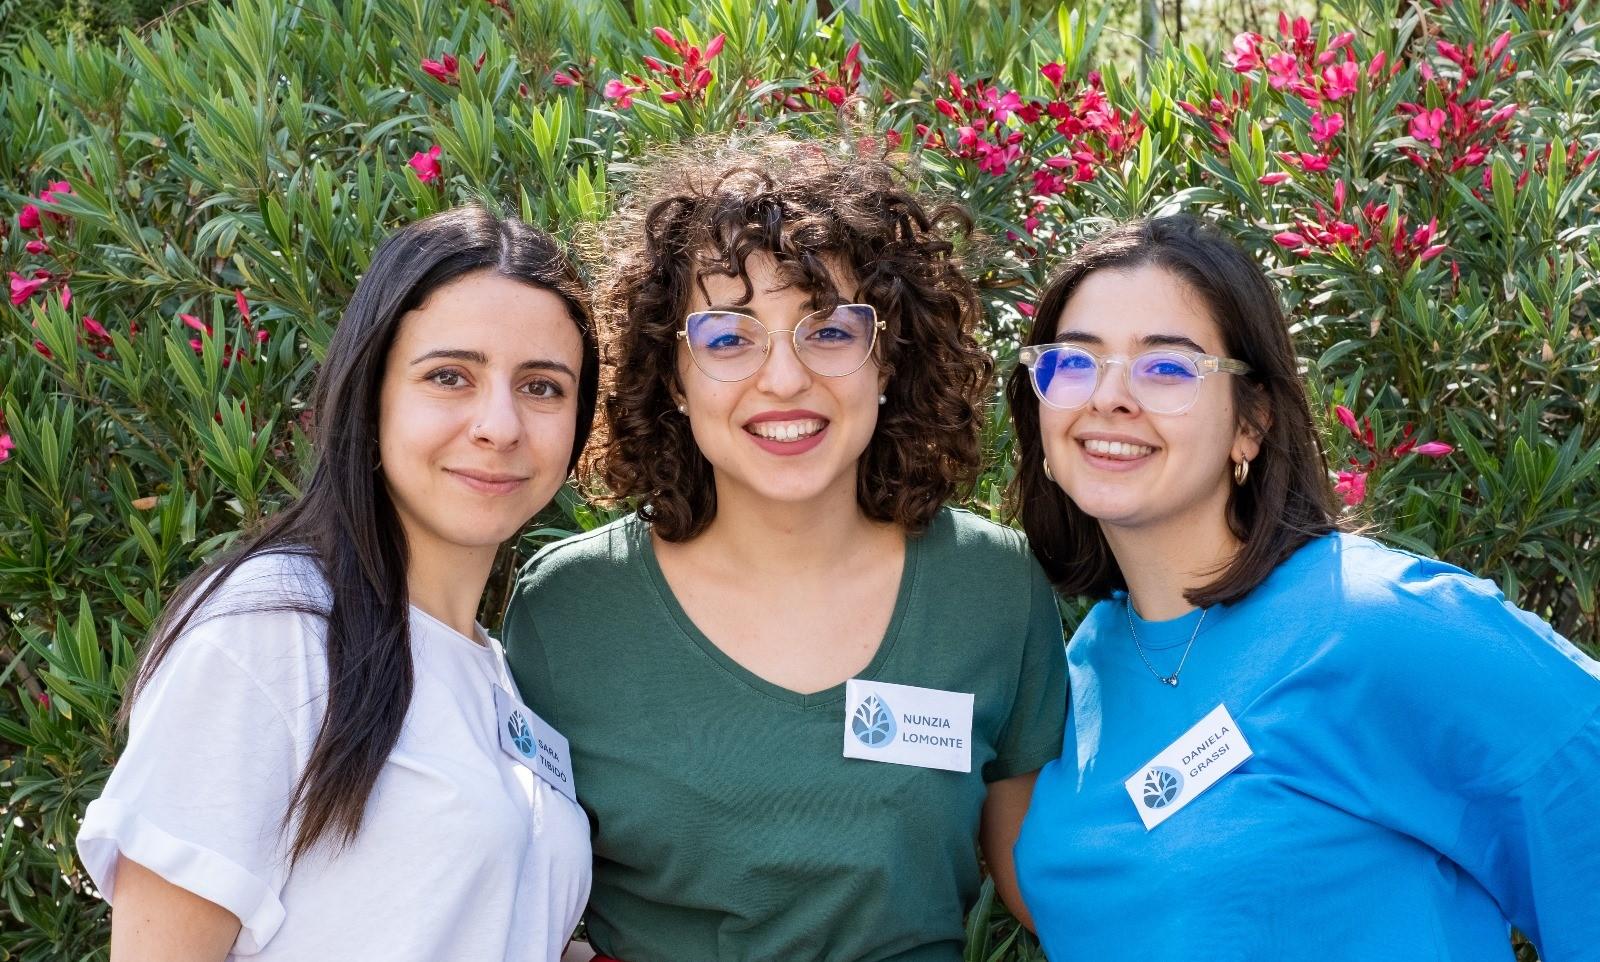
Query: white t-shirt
[(463, 854)]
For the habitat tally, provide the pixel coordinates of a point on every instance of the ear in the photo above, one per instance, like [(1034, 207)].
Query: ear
[(1254, 423)]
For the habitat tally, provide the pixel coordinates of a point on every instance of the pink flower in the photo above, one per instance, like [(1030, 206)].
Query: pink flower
[(666, 39), (1433, 449), (562, 79), (28, 217), (1340, 80), (95, 328), (44, 351), (835, 95), (1246, 53), (1426, 126), (1273, 179), (6, 447), (446, 71), (1053, 72), (243, 305), (36, 247), (48, 197), (1347, 418), (1352, 487), (190, 320), (1288, 238), (426, 164), (1503, 114), (1324, 129), (1025, 309), (1282, 70), (1499, 46), (66, 297), (715, 46), (22, 289), (623, 93)]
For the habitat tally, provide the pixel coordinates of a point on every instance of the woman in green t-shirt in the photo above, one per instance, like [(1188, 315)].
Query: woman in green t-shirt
[(797, 687)]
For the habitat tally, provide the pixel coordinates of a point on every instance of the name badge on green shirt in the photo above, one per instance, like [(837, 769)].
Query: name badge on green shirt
[(531, 741), (906, 725)]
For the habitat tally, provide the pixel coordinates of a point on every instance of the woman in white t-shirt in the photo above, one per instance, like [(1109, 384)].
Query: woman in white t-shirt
[(315, 767)]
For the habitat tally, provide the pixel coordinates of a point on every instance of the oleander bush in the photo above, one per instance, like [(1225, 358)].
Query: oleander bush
[(186, 211)]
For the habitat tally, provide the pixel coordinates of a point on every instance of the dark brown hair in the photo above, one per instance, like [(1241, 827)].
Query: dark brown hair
[(345, 522), (1286, 500), (704, 212)]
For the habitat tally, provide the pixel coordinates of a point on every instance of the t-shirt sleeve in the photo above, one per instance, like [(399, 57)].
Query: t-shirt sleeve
[(199, 794), (1485, 742), (1032, 735)]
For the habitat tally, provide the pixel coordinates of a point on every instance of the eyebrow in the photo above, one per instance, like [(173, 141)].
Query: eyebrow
[(478, 357), (1149, 340), (812, 305)]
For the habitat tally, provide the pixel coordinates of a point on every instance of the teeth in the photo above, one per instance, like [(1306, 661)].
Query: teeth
[(1118, 449), (786, 430)]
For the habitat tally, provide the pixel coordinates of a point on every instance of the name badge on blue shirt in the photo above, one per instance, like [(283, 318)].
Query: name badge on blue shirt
[(532, 742), (1186, 768)]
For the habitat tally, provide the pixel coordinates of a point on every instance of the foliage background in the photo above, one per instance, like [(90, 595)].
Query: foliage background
[(209, 190)]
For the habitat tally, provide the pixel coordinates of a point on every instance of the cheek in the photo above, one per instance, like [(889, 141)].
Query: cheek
[(410, 429)]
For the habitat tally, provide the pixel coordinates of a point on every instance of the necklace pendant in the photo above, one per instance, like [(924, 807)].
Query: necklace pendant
[(1171, 680)]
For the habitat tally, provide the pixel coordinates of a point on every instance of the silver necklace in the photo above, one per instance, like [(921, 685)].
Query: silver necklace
[(1171, 679)]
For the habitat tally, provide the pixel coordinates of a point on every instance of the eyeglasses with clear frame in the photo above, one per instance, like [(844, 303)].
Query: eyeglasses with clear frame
[(730, 346), (1164, 381)]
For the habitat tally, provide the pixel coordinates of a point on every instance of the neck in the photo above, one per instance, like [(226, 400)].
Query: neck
[(448, 582), (1162, 563), (780, 538)]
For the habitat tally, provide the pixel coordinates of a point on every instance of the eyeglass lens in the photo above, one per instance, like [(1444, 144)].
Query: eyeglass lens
[(1165, 382), (729, 346)]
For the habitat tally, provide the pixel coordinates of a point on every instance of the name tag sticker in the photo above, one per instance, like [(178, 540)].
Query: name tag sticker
[(1186, 768), (538, 747), (906, 725)]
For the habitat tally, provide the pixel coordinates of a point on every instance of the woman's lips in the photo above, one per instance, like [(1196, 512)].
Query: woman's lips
[(487, 482), (1115, 455)]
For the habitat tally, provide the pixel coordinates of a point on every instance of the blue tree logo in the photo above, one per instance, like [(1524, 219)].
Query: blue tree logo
[(1161, 786), (873, 722), (520, 735)]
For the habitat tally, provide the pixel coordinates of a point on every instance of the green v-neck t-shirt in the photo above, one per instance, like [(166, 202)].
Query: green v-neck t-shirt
[(729, 826)]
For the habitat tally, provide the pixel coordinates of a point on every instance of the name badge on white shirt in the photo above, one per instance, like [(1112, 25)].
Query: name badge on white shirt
[(906, 725), (531, 741), (1186, 768)]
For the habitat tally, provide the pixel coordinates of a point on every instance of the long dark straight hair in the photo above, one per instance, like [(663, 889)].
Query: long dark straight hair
[(344, 518), (1287, 500)]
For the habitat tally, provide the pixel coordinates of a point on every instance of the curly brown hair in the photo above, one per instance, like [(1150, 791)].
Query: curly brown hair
[(704, 210)]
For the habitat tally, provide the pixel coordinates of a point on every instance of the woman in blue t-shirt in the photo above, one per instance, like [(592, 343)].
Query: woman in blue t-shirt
[(1284, 741)]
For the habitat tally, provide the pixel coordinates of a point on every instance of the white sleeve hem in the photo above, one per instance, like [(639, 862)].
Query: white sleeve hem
[(112, 828)]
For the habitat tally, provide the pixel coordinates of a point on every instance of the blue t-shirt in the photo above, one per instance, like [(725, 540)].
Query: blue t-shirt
[(1426, 768)]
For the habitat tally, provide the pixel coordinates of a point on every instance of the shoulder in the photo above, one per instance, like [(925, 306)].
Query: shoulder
[(584, 556), (1368, 580), (974, 540), (267, 615)]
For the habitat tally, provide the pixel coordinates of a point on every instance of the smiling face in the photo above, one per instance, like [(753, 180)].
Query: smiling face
[(1121, 464), (477, 410), (785, 433)]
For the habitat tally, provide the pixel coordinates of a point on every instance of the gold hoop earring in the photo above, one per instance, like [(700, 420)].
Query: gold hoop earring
[(1047, 471), (1241, 471)]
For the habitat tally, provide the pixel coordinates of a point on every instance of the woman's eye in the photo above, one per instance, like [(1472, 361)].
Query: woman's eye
[(724, 342), (544, 389), (445, 377)]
